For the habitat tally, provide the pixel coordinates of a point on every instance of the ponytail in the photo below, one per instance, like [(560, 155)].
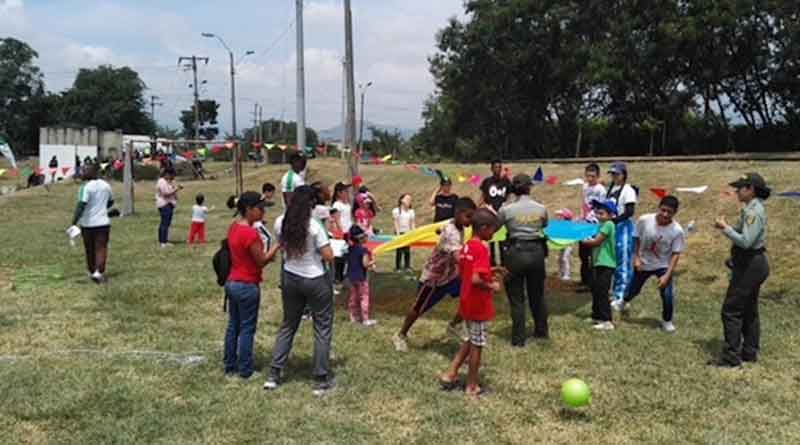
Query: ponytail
[(234, 203)]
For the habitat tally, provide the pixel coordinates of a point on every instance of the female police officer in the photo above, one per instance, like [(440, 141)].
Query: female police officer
[(750, 269), (524, 257)]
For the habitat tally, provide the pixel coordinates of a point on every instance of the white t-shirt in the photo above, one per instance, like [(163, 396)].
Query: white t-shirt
[(591, 193), (403, 218), (658, 243), (292, 180), (321, 213), (95, 194), (345, 215), (199, 213), (626, 196), (309, 265), (266, 237)]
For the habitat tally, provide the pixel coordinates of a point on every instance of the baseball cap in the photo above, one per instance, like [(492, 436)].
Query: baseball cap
[(522, 180), (445, 181), (608, 204), (618, 168), (252, 199), (750, 180)]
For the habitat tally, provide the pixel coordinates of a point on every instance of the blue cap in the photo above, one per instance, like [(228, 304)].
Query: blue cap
[(608, 204), (618, 168)]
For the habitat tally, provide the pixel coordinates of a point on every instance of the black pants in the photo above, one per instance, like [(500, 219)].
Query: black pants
[(402, 256), (339, 265), (601, 284), (740, 319), (525, 262), (585, 253), (95, 244)]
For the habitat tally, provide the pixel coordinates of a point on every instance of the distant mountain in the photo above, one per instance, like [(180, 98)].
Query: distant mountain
[(337, 133)]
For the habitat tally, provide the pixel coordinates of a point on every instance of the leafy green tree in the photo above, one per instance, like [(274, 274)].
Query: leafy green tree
[(207, 117), (108, 98)]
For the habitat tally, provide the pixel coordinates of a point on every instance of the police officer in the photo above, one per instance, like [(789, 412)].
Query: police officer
[(524, 257), (750, 269)]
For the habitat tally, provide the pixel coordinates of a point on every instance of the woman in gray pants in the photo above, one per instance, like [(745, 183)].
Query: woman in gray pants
[(305, 283)]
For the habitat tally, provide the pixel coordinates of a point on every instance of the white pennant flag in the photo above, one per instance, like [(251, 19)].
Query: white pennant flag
[(698, 190), (576, 181)]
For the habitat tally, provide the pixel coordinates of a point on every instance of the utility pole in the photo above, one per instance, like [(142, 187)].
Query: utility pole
[(194, 59), (363, 89), (255, 122), (301, 81), (260, 124), (350, 124)]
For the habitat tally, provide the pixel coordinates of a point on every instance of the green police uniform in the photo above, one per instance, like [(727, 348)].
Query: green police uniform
[(524, 257), (750, 269)]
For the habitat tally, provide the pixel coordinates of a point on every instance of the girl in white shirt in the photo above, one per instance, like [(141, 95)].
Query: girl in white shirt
[(341, 196), (404, 222)]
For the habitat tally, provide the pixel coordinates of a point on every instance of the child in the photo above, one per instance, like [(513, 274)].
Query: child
[(592, 190), (440, 276), (659, 241), (443, 200), (404, 222), (477, 305), (268, 192), (336, 232), (564, 260), (341, 196), (604, 256), (199, 217), (364, 212), (359, 261)]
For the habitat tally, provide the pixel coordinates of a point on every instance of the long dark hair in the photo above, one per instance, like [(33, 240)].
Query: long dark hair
[(294, 229)]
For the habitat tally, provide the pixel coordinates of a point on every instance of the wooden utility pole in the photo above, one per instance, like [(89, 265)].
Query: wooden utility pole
[(350, 127), (193, 65), (127, 180), (153, 105)]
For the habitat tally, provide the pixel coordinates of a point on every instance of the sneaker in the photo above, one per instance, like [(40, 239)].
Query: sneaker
[(166, 245), (97, 277), (323, 387), (370, 322), (566, 278), (273, 381), (668, 327), (254, 376), (619, 305), (604, 326), (400, 342)]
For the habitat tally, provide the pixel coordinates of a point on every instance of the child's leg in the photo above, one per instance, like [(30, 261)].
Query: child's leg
[(202, 233), (88, 246), (101, 248), (478, 331), (564, 266), (625, 245), (585, 254), (668, 295), (639, 279), (461, 356), (365, 303), (424, 294), (192, 233), (601, 283), (354, 305), (407, 257)]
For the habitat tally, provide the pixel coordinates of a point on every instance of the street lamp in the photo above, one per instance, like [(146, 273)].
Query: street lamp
[(237, 156), (363, 89)]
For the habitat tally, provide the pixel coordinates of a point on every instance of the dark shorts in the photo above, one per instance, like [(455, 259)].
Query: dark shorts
[(430, 296)]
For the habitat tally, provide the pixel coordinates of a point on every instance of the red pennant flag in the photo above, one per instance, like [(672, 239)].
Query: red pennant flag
[(40, 170), (229, 145), (189, 155), (217, 149), (13, 173), (660, 192), (64, 170), (118, 165), (412, 167), (53, 171), (552, 180)]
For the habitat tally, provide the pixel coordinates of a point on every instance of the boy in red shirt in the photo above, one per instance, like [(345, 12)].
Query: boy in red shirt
[(478, 285)]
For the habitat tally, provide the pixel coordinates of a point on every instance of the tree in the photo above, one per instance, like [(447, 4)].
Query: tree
[(108, 98), (208, 111), (23, 102), (275, 131)]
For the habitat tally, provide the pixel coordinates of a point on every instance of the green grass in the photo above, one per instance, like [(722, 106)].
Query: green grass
[(648, 387)]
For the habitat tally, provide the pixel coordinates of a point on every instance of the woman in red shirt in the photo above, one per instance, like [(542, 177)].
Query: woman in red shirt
[(243, 286)]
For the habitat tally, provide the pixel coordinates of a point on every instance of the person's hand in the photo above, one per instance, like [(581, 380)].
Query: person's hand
[(500, 271), (663, 282), (637, 263), (494, 286), (720, 223)]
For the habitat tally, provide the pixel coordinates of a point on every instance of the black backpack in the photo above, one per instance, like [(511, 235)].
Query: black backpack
[(222, 266)]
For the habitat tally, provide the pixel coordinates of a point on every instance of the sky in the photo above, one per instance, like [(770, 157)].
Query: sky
[(392, 42)]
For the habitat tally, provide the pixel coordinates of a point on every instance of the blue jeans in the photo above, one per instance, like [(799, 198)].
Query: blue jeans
[(668, 294), (243, 302), (625, 246), (166, 221)]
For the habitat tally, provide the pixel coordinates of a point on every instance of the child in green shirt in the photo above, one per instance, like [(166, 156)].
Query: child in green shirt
[(605, 262)]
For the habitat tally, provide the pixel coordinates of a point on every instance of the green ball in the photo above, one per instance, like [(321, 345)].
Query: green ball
[(576, 393)]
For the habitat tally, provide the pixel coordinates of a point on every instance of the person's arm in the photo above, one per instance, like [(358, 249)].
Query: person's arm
[(327, 253), (258, 255), (667, 277), (637, 260), (630, 209), (745, 239), (396, 218), (367, 261), (413, 220), (78, 212), (432, 201), (594, 242)]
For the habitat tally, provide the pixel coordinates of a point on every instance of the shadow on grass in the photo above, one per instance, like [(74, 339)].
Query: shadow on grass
[(574, 415), (711, 346), (648, 322)]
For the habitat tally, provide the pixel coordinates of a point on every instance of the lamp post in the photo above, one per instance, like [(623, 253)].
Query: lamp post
[(363, 89), (237, 155)]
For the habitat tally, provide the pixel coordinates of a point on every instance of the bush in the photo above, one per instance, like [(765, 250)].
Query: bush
[(141, 172)]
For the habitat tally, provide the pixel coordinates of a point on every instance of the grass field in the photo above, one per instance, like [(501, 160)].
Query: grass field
[(69, 374)]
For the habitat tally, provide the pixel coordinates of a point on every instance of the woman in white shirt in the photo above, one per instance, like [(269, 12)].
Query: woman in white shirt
[(305, 283), (166, 201), (404, 222), (625, 196)]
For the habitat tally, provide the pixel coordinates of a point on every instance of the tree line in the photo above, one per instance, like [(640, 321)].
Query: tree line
[(544, 78)]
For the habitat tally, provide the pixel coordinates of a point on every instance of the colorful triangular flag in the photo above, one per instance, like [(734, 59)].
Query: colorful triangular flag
[(476, 180), (576, 181), (64, 170), (387, 158), (539, 175), (552, 180), (698, 190), (659, 192)]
